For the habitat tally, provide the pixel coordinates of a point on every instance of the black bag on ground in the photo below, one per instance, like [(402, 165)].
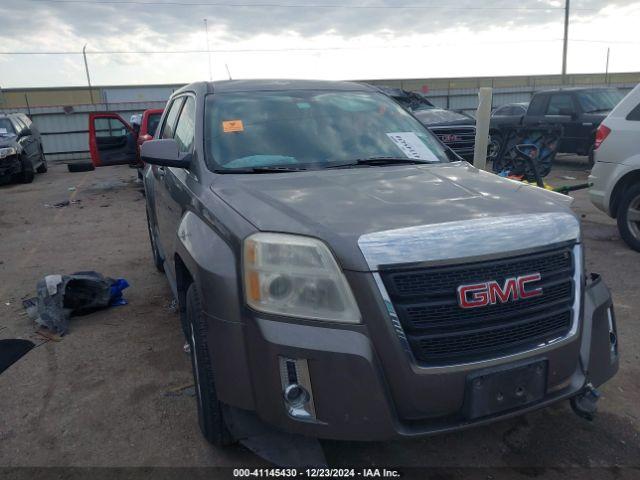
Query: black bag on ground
[(61, 296)]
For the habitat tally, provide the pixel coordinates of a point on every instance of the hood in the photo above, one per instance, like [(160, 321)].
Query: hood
[(340, 206), (432, 117), (7, 141)]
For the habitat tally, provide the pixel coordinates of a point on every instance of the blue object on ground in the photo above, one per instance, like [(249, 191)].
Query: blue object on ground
[(116, 292)]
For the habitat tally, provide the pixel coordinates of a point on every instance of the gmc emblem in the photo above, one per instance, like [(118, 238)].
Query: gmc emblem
[(490, 293), (450, 138)]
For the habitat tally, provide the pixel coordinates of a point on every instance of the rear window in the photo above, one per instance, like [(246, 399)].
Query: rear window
[(598, 101)]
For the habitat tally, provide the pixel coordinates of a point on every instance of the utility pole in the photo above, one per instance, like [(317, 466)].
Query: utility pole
[(86, 68), (206, 31), (606, 71), (566, 41)]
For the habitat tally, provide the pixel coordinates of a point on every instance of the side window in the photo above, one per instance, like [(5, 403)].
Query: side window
[(537, 105), (169, 126), (110, 127), (560, 103), (185, 129), (634, 115)]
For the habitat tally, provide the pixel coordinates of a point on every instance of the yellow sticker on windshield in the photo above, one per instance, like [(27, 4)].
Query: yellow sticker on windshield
[(232, 126)]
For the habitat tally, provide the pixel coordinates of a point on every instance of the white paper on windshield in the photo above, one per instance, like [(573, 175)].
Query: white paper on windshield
[(3, 130), (412, 146)]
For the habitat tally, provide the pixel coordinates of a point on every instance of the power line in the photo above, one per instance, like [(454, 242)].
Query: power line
[(292, 5), (303, 49), (271, 50)]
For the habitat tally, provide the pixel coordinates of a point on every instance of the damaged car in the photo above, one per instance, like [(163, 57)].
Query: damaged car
[(21, 152), (341, 274)]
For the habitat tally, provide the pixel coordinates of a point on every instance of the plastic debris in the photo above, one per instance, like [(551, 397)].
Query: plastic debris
[(116, 292), (61, 296), (65, 203)]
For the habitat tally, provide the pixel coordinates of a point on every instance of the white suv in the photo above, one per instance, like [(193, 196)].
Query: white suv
[(615, 178)]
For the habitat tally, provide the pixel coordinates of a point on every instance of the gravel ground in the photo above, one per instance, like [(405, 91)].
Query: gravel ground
[(114, 391)]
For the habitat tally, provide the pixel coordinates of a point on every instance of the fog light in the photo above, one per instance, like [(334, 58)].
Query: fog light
[(296, 395), (296, 388), (613, 338)]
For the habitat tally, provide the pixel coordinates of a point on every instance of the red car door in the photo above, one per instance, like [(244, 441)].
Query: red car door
[(112, 141)]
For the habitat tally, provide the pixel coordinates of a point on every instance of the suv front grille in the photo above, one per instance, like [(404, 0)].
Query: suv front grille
[(439, 331), (460, 139)]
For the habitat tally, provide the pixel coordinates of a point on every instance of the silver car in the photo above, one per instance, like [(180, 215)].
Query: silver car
[(615, 177)]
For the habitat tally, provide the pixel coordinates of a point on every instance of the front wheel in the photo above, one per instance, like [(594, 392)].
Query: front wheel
[(210, 416), (629, 217), (27, 175), (43, 165)]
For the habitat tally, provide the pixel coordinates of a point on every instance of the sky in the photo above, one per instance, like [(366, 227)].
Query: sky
[(164, 41)]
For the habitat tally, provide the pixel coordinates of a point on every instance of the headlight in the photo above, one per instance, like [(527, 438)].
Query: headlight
[(296, 276), (7, 152)]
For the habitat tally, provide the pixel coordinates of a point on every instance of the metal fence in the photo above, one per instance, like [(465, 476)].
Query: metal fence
[(65, 129)]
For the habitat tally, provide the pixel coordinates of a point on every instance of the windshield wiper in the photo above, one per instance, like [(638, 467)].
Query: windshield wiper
[(265, 169), (378, 162), (598, 110)]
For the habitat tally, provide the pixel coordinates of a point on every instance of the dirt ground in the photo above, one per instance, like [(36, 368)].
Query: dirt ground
[(114, 391)]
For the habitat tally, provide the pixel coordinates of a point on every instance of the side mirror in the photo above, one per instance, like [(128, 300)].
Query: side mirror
[(26, 132), (164, 153)]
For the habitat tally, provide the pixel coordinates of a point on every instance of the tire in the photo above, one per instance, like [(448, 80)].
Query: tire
[(43, 166), (157, 259), (495, 143), (80, 167), (27, 175), (629, 217), (210, 416)]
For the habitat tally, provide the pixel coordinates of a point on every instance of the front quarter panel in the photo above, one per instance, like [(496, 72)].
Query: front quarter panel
[(209, 245)]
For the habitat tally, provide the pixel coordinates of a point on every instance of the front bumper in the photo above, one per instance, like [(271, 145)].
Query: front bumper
[(364, 389), (10, 166)]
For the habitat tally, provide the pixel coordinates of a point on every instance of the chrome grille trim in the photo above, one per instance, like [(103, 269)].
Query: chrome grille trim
[(549, 345), (455, 241)]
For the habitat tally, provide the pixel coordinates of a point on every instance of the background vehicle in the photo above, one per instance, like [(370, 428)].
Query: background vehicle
[(148, 126), (21, 153), (510, 113), (112, 140), (578, 110), (332, 269), (615, 177), (456, 130)]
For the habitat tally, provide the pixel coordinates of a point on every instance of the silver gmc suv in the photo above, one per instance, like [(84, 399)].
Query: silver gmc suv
[(342, 274)]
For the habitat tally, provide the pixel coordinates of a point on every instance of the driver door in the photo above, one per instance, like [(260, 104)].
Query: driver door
[(112, 141)]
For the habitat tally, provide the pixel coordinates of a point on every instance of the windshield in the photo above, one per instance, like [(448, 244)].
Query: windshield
[(599, 100), (6, 128), (152, 123), (311, 129)]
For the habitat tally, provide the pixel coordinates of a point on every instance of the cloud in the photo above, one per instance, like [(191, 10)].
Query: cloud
[(172, 26)]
